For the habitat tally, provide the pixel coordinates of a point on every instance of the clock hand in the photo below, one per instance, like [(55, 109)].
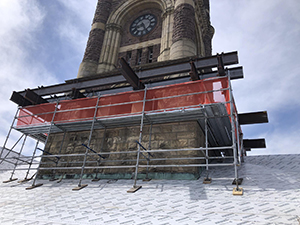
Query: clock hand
[(144, 25), (140, 25)]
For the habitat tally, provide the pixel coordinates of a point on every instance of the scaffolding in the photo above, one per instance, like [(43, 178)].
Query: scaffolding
[(208, 101)]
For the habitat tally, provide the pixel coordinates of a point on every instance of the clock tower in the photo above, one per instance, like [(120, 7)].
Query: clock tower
[(144, 32)]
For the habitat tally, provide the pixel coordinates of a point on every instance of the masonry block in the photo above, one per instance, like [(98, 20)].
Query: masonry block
[(164, 136)]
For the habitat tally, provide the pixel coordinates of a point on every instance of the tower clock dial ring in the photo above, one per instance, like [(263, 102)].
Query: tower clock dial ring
[(143, 25)]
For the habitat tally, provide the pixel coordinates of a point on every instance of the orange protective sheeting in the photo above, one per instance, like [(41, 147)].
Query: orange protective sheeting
[(171, 97)]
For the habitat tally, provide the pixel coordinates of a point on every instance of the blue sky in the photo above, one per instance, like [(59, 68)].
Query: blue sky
[(42, 42)]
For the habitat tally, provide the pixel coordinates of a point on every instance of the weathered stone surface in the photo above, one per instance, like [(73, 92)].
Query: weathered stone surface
[(184, 23), (103, 10), (177, 22), (164, 136)]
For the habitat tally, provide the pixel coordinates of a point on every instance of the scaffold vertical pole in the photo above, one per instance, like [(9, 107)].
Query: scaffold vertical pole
[(242, 147), (206, 145), (80, 186), (150, 136), (135, 188), (8, 134), (238, 138), (45, 144), (207, 179), (237, 190), (149, 148), (30, 164)]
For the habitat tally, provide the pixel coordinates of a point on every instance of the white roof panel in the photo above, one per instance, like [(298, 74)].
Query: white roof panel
[(271, 196)]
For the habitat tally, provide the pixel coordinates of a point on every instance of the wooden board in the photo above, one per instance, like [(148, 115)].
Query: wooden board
[(207, 181), (97, 179), (148, 179), (33, 186), (240, 191), (10, 180), (25, 180), (134, 189), (79, 187)]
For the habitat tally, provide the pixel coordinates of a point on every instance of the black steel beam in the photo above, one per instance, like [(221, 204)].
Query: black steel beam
[(162, 70), (221, 69), (184, 67), (130, 75), (19, 99), (254, 143), (253, 118), (106, 83), (76, 94), (193, 73), (34, 98)]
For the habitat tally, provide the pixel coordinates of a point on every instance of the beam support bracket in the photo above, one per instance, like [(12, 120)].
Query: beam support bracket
[(130, 75), (193, 73)]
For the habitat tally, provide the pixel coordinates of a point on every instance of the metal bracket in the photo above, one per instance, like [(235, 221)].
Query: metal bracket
[(79, 187)]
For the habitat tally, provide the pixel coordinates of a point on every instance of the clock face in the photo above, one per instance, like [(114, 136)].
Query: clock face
[(143, 25)]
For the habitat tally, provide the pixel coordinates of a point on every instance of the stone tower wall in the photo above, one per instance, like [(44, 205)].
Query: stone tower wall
[(183, 30), (164, 136)]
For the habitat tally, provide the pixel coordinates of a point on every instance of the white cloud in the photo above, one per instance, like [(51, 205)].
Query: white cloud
[(19, 20), (266, 35), (74, 27), (21, 24), (280, 142)]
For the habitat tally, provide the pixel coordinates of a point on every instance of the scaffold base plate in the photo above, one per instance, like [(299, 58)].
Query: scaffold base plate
[(53, 179), (33, 186), (79, 187), (240, 181), (238, 191), (25, 180), (10, 180), (94, 180), (207, 181), (134, 189)]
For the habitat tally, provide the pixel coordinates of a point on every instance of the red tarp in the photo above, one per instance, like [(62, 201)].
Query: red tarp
[(195, 93)]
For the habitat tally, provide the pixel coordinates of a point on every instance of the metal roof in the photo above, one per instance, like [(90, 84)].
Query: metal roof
[(271, 196)]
